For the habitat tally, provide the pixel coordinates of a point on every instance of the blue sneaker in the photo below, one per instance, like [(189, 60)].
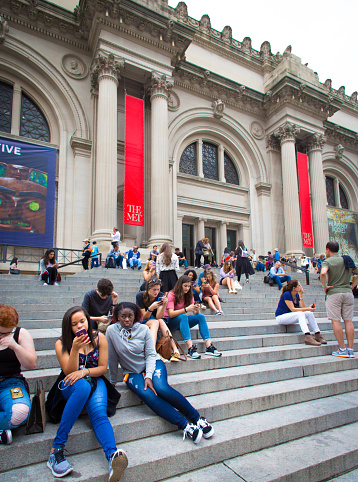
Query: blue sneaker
[(350, 353), (342, 353), (58, 464), (118, 463)]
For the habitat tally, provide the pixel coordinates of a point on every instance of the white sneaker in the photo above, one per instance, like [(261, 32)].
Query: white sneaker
[(45, 284), (118, 463), (231, 291), (203, 307), (234, 291), (56, 284)]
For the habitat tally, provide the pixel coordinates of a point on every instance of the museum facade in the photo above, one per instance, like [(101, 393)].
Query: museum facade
[(223, 123)]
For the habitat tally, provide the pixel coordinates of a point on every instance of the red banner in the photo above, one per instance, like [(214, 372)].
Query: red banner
[(134, 162), (305, 201)]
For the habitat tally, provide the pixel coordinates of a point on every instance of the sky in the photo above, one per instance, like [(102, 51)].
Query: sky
[(321, 32)]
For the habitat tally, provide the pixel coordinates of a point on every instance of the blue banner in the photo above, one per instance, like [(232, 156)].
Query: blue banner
[(27, 193)]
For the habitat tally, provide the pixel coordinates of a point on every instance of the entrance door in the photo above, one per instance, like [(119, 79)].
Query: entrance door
[(231, 239), (211, 234), (188, 243)]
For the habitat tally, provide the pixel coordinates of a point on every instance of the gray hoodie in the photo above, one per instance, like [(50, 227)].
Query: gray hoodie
[(134, 350)]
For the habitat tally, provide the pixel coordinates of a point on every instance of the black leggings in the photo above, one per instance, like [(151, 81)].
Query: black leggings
[(50, 275)]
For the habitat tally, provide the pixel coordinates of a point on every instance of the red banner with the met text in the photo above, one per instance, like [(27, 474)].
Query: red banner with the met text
[(305, 201), (134, 162)]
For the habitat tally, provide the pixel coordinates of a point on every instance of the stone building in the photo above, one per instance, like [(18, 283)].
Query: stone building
[(223, 122)]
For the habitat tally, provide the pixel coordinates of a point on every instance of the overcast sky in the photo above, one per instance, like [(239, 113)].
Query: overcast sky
[(321, 32)]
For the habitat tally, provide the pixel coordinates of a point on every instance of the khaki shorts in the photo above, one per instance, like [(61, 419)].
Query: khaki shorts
[(340, 305)]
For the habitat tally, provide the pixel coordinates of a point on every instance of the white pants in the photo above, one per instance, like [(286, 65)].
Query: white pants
[(300, 317)]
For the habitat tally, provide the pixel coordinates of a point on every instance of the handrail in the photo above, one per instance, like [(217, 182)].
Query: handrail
[(301, 268), (80, 261)]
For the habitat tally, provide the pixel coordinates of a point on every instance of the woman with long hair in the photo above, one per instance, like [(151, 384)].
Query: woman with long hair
[(148, 273), (194, 286), (210, 289), (152, 303), (292, 309), (131, 345), (182, 313), (16, 350), (243, 265), (227, 275), (48, 268), (167, 266), (83, 357)]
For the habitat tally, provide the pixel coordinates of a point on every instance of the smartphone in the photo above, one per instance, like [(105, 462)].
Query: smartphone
[(313, 305), (82, 331)]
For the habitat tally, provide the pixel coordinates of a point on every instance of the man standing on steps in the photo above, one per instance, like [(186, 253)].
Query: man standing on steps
[(339, 296), (99, 302)]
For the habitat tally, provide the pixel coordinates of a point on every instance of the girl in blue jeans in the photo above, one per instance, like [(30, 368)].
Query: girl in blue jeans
[(84, 358), (16, 350), (130, 343), (183, 313)]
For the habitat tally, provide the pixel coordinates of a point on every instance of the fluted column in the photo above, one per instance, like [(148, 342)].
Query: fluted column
[(201, 228), (159, 88), (105, 76), (223, 240), (221, 164), (199, 165), (291, 207), (318, 193)]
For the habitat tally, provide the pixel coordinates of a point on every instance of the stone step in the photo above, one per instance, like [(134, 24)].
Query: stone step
[(313, 458), (165, 455)]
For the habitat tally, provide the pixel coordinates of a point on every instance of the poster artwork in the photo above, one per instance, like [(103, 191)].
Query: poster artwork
[(343, 228)]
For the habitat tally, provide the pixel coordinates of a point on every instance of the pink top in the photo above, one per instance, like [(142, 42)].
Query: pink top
[(171, 304)]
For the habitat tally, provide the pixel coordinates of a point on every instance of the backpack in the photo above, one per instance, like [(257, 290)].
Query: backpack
[(109, 262)]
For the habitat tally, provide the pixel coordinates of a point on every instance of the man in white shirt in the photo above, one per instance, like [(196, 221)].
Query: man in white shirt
[(116, 236)]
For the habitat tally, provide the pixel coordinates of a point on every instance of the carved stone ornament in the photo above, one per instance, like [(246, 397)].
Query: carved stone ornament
[(74, 66), (341, 91), (316, 142), (173, 101), (272, 143), (265, 50), (108, 66), (226, 34), (246, 45), (339, 149), (218, 107), (205, 24), (328, 84), (257, 130), (287, 132), (159, 84), (4, 29), (354, 97), (181, 11), (287, 52)]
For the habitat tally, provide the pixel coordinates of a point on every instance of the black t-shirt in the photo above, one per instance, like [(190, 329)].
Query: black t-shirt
[(139, 301), (95, 305), (180, 254)]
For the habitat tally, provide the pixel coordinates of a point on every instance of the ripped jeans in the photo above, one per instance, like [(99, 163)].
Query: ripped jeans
[(168, 403), (11, 416)]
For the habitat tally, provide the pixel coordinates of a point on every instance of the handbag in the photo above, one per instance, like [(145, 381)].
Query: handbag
[(58, 276), (206, 252), (14, 271), (36, 422), (164, 347)]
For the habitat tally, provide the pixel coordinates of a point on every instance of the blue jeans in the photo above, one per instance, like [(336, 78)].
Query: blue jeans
[(76, 396), (94, 262), (7, 402), (280, 279), (118, 261), (168, 402), (183, 262), (135, 262), (184, 322)]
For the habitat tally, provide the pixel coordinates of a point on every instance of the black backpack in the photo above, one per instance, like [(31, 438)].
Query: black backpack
[(109, 262)]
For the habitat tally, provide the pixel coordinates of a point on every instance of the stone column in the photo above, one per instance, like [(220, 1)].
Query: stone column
[(159, 88), (221, 164), (223, 240), (318, 193), (105, 76), (201, 229), (16, 110), (199, 165), (291, 207)]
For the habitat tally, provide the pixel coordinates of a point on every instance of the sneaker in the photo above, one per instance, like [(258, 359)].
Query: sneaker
[(56, 284), (139, 268), (5, 437), (320, 339), (203, 307), (218, 313), (164, 360), (118, 463), (193, 352), (247, 281), (234, 291), (341, 353), (45, 284), (231, 291), (193, 432), (350, 353), (58, 464), (175, 357), (205, 427), (211, 350)]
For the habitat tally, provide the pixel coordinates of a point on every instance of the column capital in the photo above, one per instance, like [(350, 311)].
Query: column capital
[(159, 85), (105, 66), (316, 142), (287, 132), (272, 143), (263, 189)]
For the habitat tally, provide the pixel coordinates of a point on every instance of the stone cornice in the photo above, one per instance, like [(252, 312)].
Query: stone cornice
[(338, 134), (201, 81), (263, 189), (301, 96), (210, 183), (213, 206), (81, 146)]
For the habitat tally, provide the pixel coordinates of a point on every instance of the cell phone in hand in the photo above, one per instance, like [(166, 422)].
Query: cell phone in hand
[(313, 305), (81, 332)]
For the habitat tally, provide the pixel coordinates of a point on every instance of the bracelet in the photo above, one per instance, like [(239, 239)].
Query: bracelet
[(89, 373), (185, 310), (150, 311)]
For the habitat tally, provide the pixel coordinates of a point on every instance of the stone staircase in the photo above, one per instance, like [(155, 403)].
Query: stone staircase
[(282, 411)]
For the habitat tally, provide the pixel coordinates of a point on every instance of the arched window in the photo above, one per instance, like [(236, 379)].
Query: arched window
[(5, 107), (230, 171), (337, 199), (187, 162), (32, 122), (210, 161)]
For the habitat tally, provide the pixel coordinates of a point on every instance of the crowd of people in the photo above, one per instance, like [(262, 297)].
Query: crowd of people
[(104, 332)]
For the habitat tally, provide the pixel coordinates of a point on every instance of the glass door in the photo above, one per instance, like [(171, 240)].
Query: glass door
[(188, 243)]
